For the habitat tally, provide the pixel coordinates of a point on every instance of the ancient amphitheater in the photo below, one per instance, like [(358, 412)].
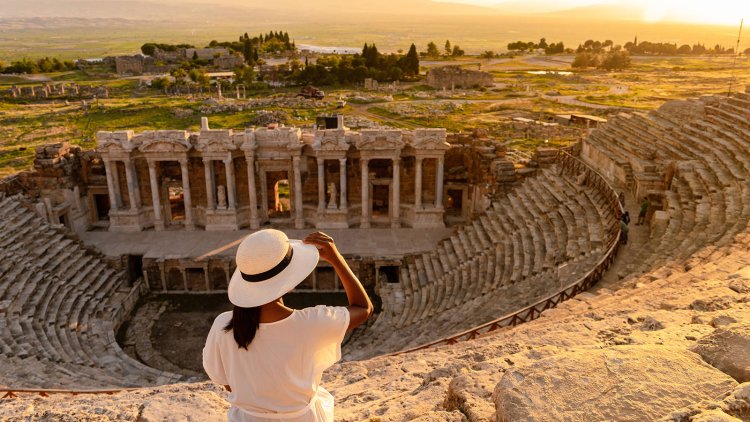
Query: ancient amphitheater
[(505, 292)]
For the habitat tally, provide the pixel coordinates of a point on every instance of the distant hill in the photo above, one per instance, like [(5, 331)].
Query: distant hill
[(291, 10)]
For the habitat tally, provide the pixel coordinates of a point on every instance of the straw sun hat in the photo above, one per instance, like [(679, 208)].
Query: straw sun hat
[(269, 265)]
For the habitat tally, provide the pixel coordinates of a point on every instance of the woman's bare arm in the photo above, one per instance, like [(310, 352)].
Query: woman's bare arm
[(360, 307)]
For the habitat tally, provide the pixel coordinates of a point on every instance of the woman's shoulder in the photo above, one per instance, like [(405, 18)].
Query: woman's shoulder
[(222, 319), (321, 312)]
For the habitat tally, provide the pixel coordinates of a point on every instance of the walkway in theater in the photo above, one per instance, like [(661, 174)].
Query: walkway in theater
[(626, 257), (176, 244)]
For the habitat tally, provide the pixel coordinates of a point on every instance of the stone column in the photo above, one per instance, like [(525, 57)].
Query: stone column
[(186, 198), (208, 166), (396, 200), (263, 195), (365, 223), (299, 216), (418, 184), (439, 184), (253, 193), (110, 185), (321, 185), (134, 195), (231, 189), (342, 183), (155, 199)]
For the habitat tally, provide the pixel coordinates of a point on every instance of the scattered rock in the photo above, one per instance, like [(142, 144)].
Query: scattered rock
[(714, 415), (651, 324), (182, 113), (722, 320), (470, 398), (728, 349), (266, 117), (611, 387), (713, 304), (740, 285)]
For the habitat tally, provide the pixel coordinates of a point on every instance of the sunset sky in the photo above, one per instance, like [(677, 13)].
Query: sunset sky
[(725, 12)]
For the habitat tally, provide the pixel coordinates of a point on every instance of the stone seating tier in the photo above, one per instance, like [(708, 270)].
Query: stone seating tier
[(709, 200), (510, 256), (59, 302)]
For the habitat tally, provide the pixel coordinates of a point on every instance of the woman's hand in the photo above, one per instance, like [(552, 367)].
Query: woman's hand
[(325, 245)]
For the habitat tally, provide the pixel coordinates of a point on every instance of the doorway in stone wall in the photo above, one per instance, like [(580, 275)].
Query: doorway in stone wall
[(455, 202), (172, 195), (176, 201), (101, 205), (282, 204), (279, 198), (381, 195)]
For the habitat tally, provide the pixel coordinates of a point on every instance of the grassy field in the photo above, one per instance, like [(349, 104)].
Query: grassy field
[(25, 124)]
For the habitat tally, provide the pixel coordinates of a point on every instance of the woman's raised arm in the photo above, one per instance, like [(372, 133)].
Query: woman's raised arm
[(360, 307)]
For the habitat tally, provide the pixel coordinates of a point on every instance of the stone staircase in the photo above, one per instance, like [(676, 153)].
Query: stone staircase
[(708, 199), (60, 305), (541, 236)]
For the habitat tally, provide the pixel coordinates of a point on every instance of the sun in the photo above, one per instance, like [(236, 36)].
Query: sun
[(718, 12)]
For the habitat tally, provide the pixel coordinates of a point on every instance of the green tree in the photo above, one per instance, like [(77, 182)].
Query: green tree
[(148, 49), (542, 43), (448, 48), (411, 62), (247, 51), (432, 50), (371, 55), (585, 59), (244, 75), (488, 54), (179, 76), (457, 51), (199, 76), (161, 83), (615, 60)]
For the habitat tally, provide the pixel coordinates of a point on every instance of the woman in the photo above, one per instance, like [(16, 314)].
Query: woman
[(270, 357)]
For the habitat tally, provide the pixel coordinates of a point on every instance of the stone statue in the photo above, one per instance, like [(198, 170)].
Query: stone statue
[(221, 197), (332, 192)]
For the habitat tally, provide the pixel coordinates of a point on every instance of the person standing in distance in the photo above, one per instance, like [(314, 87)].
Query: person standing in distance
[(270, 357), (644, 209)]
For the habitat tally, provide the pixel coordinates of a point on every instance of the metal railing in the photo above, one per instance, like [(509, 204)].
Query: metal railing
[(572, 166)]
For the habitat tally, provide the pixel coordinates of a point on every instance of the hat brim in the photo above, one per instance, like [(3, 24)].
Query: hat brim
[(251, 294)]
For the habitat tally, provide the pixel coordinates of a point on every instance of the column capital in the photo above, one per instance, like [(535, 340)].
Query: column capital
[(321, 161), (207, 160), (342, 160), (227, 160)]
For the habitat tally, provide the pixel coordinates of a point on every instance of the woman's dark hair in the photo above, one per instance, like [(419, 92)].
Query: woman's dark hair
[(244, 324)]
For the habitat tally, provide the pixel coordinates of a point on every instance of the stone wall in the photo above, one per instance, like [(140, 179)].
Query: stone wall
[(451, 77), (63, 173), (133, 65)]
